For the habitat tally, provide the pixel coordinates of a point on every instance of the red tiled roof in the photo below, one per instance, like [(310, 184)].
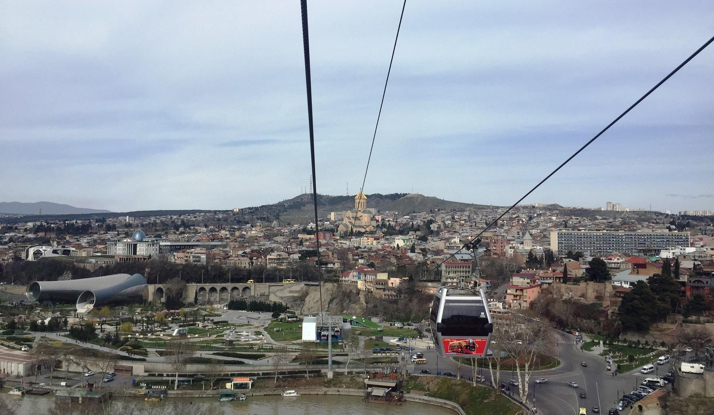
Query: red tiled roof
[(637, 260)]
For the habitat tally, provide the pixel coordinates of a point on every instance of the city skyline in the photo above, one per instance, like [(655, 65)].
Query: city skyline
[(178, 106)]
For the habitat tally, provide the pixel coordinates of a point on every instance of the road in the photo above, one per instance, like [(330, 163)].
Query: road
[(556, 397)]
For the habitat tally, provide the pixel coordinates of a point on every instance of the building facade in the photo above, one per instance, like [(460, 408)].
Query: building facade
[(453, 271), (606, 242)]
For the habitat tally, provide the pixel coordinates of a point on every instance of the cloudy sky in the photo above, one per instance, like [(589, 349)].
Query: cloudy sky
[(182, 104)]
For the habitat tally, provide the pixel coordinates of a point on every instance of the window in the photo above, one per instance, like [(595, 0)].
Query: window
[(463, 318)]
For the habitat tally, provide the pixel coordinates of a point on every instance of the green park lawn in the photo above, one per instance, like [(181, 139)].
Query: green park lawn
[(475, 400), (370, 344), (364, 321), (286, 331)]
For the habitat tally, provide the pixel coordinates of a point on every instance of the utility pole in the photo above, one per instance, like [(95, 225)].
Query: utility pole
[(201, 277), (329, 348), (229, 275)]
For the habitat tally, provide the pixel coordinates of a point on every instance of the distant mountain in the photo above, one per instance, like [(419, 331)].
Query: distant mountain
[(48, 208)]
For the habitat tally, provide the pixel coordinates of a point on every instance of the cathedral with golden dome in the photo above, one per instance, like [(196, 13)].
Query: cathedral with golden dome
[(361, 219)]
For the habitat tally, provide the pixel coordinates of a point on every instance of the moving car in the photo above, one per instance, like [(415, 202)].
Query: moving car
[(613, 411), (89, 373), (541, 380), (108, 379), (584, 364), (425, 372), (583, 395), (572, 384), (647, 369), (596, 409), (662, 360)]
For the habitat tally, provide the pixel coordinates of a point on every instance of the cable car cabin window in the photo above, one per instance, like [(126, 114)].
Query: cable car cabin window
[(461, 318), (435, 308)]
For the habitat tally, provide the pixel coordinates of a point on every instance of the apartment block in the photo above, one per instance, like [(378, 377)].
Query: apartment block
[(607, 242)]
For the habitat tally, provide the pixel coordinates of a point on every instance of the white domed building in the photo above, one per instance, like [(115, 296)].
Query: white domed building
[(136, 247)]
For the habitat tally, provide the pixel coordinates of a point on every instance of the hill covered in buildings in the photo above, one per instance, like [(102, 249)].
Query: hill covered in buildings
[(300, 208)]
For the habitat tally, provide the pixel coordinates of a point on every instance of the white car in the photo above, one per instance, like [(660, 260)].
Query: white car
[(25, 348), (572, 384), (541, 380), (90, 373)]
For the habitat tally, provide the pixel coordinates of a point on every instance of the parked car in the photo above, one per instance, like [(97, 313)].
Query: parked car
[(375, 350), (108, 379), (513, 382), (425, 372), (449, 374), (89, 373), (480, 378), (572, 384), (505, 387), (584, 364), (111, 374), (613, 411), (541, 380)]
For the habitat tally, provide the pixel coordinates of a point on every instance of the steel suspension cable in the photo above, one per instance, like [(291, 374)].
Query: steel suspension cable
[(642, 98), (308, 85), (384, 93)]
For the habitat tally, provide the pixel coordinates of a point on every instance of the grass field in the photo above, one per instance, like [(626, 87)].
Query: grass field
[(475, 400), (370, 344), (543, 362), (363, 321), (287, 331)]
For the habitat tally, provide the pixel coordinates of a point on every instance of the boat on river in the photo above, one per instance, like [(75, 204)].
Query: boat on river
[(290, 394), (226, 396), (17, 391)]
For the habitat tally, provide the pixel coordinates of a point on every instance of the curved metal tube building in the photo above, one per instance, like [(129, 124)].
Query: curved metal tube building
[(90, 292)]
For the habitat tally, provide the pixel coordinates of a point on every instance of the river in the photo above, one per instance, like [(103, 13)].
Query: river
[(271, 405)]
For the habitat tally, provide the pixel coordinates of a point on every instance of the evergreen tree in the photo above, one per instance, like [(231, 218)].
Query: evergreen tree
[(639, 308), (598, 270), (666, 268), (565, 273), (676, 269)]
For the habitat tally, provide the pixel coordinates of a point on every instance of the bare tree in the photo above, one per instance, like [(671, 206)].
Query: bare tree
[(279, 358), (308, 355), (105, 365), (497, 352), (351, 342), (47, 358), (526, 340), (217, 370), (180, 350), (696, 338)]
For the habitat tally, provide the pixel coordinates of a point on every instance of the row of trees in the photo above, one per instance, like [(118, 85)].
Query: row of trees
[(257, 305), (155, 271), (84, 332), (652, 301)]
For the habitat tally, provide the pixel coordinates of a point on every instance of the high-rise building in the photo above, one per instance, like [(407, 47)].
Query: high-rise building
[(617, 207), (608, 206), (605, 242)]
